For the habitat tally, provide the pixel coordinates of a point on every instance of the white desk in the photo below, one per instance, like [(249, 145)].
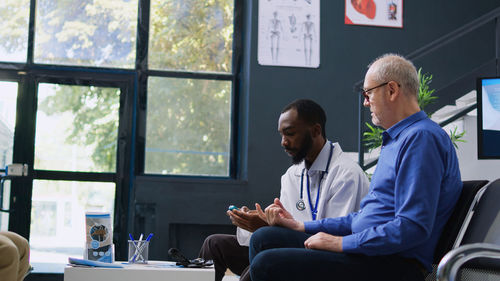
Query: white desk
[(152, 271)]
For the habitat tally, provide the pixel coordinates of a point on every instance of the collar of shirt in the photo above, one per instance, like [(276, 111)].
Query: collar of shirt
[(319, 165), (397, 128)]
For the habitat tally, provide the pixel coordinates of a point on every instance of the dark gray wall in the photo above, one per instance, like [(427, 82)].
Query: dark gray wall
[(182, 211)]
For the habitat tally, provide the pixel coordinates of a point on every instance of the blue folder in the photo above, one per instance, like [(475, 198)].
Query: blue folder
[(89, 263)]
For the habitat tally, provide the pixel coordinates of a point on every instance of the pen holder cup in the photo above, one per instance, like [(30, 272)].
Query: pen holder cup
[(138, 251)]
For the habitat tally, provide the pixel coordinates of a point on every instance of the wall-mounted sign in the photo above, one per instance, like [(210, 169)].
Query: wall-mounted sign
[(388, 13), (289, 33)]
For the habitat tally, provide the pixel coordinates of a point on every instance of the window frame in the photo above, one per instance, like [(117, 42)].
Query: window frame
[(131, 136), (144, 73)]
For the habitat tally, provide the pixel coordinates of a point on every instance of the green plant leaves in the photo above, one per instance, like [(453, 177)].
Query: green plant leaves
[(373, 137), (425, 93)]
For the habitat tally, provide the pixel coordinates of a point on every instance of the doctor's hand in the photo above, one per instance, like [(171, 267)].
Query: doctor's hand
[(247, 219), (324, 241), (276, 214)]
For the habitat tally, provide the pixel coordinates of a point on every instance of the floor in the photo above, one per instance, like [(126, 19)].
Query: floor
[(230, 278)]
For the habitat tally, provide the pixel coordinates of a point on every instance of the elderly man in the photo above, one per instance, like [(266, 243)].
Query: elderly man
[(412, 193), (323, 182), (14, 256)]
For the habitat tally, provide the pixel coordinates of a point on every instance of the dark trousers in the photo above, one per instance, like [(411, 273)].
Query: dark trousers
[(278, 253), (226, 253)]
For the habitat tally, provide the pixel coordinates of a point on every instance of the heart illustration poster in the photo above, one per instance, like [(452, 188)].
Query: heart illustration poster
[(387, 13)]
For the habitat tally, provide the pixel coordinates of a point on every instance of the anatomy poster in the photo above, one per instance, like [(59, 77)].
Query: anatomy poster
[(289, 33), (388, 13)]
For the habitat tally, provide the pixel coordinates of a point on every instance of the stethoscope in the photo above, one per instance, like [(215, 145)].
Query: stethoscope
[(301, 206)]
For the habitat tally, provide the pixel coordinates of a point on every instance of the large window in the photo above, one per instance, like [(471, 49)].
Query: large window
[(76, 128), (58, 219), (191, 35), (188, 126), (189, 118), (87, 33), (94, 93), (8, 101), (14, 20)]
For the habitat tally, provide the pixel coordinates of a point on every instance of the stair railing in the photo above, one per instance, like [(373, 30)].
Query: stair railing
[(449, 38)]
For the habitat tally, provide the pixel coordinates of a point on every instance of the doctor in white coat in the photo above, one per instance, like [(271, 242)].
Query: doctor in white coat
[(322, 182)]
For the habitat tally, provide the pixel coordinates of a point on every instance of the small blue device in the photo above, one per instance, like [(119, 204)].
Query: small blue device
[(232, 207)]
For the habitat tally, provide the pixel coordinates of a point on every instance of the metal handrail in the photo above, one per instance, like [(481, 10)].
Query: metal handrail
[(458, 115), (454, 259), (446, 39), (457, 33), (443, 123), (434, 45)]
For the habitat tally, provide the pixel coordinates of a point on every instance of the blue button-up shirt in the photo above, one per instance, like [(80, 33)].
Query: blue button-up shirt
[(412, 194)]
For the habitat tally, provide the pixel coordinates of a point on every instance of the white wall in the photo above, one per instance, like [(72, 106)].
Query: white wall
[(471, 167)]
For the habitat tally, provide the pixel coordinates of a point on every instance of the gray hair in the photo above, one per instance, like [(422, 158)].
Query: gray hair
[(394, 67)]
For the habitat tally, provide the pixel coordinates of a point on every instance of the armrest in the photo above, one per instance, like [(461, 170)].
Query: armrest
[(454, 259)]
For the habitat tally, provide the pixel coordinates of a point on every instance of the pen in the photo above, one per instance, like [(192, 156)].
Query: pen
[(131, 238), (141, 247), (136, 247)]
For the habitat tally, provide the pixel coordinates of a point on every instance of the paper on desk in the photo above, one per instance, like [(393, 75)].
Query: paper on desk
[(90, 263)]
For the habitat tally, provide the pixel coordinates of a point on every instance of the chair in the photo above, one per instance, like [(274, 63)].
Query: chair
[(453, 261), (479, 238), (452, 227)]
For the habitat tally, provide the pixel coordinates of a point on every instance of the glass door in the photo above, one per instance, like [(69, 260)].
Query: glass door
[(8, 102), (75, 159)]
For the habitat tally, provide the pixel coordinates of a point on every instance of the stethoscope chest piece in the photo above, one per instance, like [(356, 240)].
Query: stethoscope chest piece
[(301, 205)]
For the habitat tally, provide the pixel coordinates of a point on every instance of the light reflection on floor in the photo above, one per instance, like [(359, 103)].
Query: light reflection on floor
[(50, 262)]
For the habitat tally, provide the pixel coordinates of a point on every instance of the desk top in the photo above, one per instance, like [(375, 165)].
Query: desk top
[(153, 270)]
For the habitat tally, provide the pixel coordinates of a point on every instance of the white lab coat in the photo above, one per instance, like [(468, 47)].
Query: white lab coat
[(342, 188)]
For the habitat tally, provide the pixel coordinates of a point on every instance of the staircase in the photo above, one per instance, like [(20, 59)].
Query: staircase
[(448, 111), (470, 167), (443, 113)]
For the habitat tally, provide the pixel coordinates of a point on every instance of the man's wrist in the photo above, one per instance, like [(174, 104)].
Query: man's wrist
[(299, 226)]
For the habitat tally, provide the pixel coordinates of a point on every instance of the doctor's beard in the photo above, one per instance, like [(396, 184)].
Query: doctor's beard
[(303, 150)]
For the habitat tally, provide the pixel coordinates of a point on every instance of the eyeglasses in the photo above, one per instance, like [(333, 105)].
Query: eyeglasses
[(365, 92)]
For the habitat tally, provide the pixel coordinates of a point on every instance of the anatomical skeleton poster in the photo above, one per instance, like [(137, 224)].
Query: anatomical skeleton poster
[(289, 33)]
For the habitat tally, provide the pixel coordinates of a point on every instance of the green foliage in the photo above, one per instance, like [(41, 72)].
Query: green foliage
[(14, 15), (188, 126), (95, 111), (373, 137), (456, 137), (191, 35), (93, 32), (425, 94), (188, 120)]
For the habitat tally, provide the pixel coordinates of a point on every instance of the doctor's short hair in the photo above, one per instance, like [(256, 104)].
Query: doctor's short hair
[(308, 111)]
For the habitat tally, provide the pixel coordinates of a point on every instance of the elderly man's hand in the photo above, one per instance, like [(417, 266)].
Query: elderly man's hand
[(276, 214), (324, 241)]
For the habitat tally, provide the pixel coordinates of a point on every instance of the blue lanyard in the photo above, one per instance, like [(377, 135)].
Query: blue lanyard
[(314, 209)]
